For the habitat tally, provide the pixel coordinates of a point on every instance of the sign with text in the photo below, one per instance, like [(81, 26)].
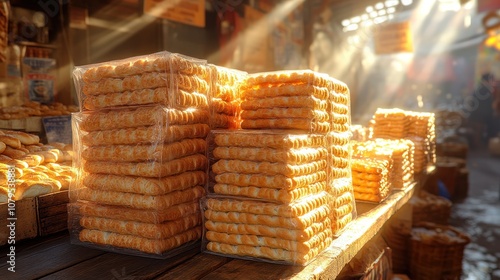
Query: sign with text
[(58, 129), (392, 38), (487, 5), (190, 12)]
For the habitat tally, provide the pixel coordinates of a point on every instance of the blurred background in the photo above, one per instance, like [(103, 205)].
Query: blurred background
[(413, 54)]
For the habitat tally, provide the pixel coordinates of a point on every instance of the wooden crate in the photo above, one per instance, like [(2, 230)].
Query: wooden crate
[(25, 224), (52, 212)]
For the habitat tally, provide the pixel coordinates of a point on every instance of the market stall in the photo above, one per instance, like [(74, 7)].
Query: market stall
[(54, 256)]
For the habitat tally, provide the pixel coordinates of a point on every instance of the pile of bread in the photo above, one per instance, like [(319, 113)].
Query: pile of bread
[(35, 168), (419, 127), (35, 109), (143, 167)]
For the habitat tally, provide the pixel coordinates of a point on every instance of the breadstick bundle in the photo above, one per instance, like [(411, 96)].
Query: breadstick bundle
[(400, 152), (267, 165), (370, 178), (291, 233), (424, 132), (420, 158), (293, 100), (163, 78), (225, 99), (403, 165), (390, 124), (342, 204), (339, 180), (137, 162), (136, 231), (340, 103)]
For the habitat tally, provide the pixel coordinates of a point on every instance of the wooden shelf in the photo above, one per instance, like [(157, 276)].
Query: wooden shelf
[(343, 249), (54, 256)]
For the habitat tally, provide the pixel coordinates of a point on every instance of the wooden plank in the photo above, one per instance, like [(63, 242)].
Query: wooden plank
[(52, 210), (25, 245), (243, 269), (54, 198), (195, 268), (117, 266), (329, 264), (25, 220), (47, 257), (53, 224)]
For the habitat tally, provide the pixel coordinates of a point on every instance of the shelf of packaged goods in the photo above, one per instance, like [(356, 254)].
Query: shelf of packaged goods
[(54, 256)]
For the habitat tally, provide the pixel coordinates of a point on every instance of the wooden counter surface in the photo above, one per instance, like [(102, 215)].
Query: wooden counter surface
[(53, 257)]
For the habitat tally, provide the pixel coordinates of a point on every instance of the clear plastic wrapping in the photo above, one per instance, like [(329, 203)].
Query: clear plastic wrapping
[(142, 171), (371, 178), (399, 152), (270, 165), (292, 100), (225, 101), (163, 78), (340, 184), (419, 127), (292, 234)]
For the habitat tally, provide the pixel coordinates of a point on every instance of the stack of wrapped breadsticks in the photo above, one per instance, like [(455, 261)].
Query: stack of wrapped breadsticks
[(273, 197), (419, 127), (225, 99), (278, 208), (141, 142), (32, 167), (397, 152), (370, 178)]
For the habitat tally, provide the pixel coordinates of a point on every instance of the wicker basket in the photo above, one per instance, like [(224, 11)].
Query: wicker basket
[(436, 252), (430, 208)]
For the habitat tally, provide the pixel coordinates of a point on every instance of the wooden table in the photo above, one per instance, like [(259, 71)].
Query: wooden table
[(53, 257)]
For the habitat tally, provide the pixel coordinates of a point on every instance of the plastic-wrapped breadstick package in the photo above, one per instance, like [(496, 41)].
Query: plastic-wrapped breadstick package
[(293, 233), (340, 184), (225, 100), (268, 165), (162, 78), (142, 171), (292, 100)]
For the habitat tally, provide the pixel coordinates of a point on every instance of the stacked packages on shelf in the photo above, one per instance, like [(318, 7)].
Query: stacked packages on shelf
[(225, 98), (37, 168), (274, 196), (339, 156), (419, 127), (296, 100), (370, 178), (398, 155), (278, 208), (141, 147)]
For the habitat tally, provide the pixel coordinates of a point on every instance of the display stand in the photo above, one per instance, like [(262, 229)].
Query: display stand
[(53, 256)]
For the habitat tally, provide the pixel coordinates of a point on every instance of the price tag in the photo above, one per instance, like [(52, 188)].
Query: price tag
[(58, 129)]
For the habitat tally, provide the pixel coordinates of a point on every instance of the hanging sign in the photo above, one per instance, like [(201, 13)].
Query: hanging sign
[(190, 12), (392, 38)]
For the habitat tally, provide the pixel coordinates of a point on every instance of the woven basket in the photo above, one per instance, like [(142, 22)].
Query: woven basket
[(430, 208), (437, 258)]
